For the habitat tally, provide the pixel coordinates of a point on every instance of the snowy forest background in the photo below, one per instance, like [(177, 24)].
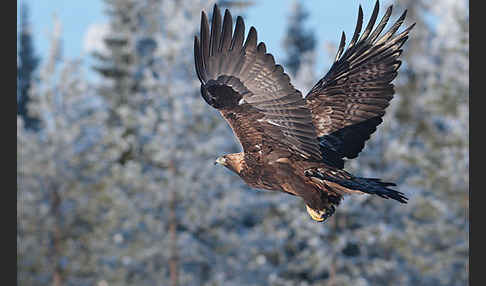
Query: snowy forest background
[(115, 176)]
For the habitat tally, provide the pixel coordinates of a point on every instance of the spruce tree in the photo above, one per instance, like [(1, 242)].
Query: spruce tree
[(58, 169), (298, 40), (26, 66)]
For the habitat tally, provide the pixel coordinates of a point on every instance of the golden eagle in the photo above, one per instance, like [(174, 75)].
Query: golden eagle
[(292, 143)]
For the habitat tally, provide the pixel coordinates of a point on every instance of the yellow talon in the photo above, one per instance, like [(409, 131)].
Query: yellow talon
[(315, 215)]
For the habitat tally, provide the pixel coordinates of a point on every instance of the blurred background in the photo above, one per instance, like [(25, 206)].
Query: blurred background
[(115, 151)]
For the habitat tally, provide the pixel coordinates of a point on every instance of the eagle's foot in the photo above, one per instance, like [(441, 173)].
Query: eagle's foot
[(320, 215)]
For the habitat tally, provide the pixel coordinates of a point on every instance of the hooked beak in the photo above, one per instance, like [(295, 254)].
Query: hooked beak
[(220, 160)]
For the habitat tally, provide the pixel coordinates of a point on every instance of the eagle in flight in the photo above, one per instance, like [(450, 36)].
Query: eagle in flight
[(292, 143)]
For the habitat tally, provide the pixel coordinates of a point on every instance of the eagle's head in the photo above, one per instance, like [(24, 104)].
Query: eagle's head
[(234, 162)]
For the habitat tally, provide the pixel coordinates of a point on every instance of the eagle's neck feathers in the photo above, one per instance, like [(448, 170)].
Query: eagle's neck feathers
[(236, 162)]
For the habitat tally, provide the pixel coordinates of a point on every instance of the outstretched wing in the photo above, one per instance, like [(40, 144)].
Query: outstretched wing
[(252, 93), (349, 102)]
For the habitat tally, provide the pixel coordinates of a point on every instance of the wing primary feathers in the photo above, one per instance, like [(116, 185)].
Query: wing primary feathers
[(357, 30), (226, 35), (239, 35), (393, 29), (204, 41), (381, 25), (398, 40), (341, 47), (371, 22), (407, 29), (215, 31), (262, 48), (251, 39), (198, 60), (370, 41)]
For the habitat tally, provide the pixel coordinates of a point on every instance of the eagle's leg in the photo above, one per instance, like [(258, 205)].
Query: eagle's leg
[(327, 208), (320, 215)]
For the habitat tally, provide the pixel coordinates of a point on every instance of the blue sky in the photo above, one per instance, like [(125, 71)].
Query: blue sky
[(328, 18)]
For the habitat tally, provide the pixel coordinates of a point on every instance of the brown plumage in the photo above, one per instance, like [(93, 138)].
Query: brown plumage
[(297, 144)]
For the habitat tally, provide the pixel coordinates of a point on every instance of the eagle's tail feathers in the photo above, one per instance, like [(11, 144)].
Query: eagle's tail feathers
[(377, 187), (366, 185)]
